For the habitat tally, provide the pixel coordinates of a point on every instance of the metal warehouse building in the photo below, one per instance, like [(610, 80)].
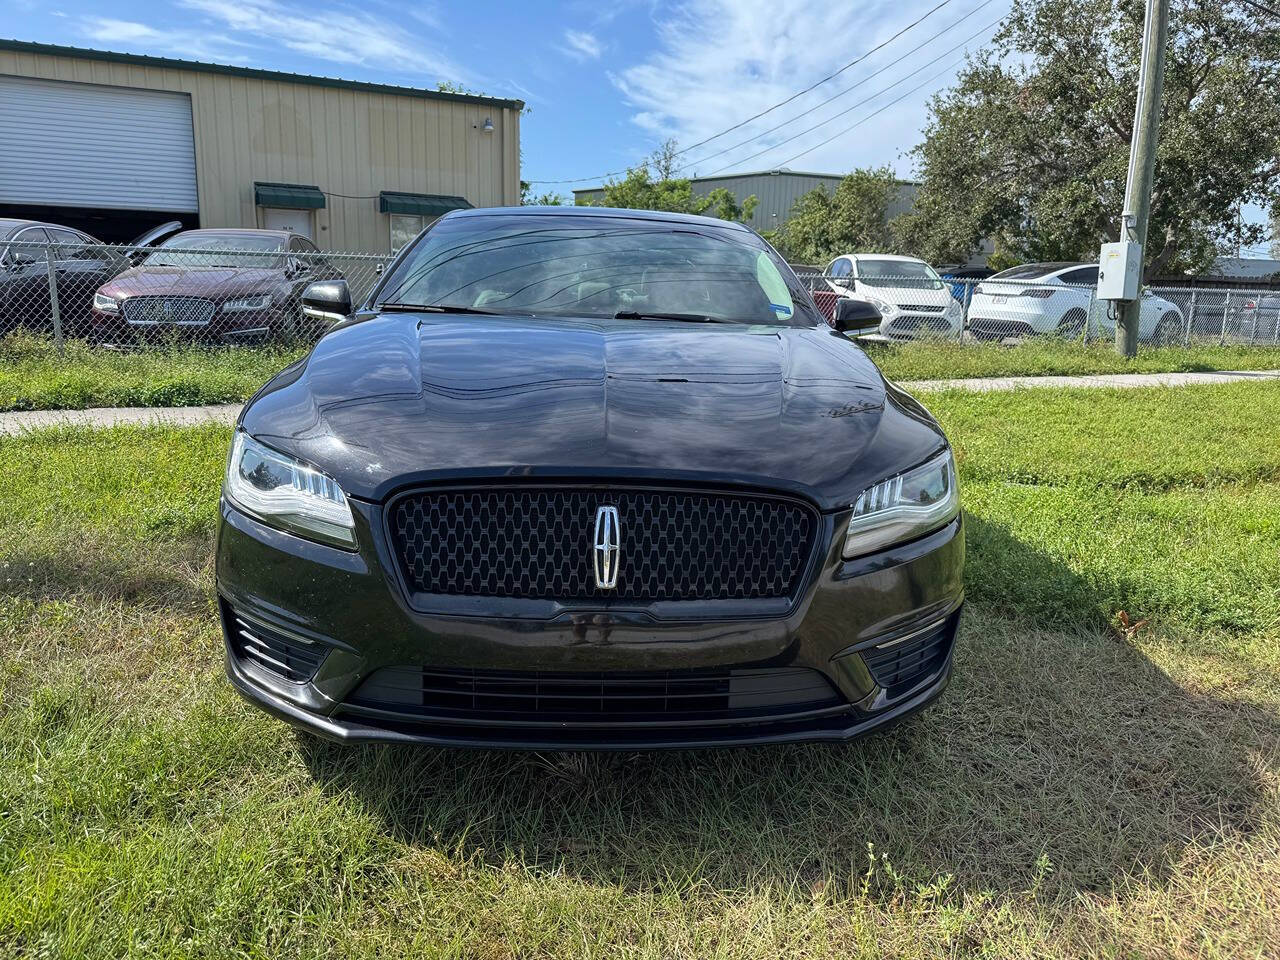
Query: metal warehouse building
[(113, 143), (776, 190)]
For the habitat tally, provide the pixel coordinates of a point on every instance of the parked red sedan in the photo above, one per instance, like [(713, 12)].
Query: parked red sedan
[(215, 285)]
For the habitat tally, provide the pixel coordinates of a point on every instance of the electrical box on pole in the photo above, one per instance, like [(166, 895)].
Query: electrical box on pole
[(1120, 271)]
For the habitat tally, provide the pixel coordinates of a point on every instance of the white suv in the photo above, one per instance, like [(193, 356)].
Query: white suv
[(912, 299), (1057, 298)]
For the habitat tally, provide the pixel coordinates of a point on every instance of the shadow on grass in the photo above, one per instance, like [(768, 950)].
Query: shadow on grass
[(162, 575), (1060, 760)]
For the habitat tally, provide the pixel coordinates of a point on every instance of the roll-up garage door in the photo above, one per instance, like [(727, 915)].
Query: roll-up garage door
[(83, 145)]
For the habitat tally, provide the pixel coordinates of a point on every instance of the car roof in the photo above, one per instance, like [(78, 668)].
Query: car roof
[(237, 232), (1040, 269), (10, 225), (614, 212), (883, 256)]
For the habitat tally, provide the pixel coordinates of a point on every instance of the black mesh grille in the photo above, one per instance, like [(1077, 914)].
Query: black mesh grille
[(902, 665), (537, 544), (593, 697), (286, 657)]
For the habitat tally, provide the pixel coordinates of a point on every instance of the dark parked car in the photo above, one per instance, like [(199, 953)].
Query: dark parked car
[(587, 478), (81, 265), (221, 285)]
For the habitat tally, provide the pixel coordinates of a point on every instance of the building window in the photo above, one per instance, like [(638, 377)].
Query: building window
[(404, 227)]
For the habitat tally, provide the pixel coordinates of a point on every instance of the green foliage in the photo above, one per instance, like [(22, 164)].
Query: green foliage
[(1031, 145), (653, 186), (854, 219)]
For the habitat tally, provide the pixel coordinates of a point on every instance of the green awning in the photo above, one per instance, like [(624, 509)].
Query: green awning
[(291, 196), (426, 204)]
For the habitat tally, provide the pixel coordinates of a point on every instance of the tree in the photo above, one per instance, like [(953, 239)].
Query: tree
[(853, 219), (547, 199), (653, 186), (1031, 145)]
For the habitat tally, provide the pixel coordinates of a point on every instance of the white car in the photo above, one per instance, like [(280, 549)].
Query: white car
[(912, 299), (1058, 298)]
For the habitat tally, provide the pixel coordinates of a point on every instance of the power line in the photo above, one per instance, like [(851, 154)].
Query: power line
[(1263, 7), (832, 76), (862, 103), (855, 106), (780, 103), (841, 133)]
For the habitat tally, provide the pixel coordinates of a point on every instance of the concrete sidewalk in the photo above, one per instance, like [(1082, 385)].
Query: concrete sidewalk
[(24, 420)]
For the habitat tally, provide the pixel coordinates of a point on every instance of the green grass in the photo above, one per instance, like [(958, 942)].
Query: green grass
[(1080, 789), (35, 376), (944, 360)]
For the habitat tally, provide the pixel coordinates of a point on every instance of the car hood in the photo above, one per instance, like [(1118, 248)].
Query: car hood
[(213, 282), (401, 399)]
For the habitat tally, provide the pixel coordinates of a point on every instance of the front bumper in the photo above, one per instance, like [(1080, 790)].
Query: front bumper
[(350, 622)]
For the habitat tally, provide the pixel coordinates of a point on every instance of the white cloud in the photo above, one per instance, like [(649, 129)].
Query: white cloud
[(188, 44), (721, 61), (582, 45), (337, 36)]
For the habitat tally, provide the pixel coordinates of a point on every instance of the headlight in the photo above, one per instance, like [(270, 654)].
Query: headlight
[(104, 304), (903, 507), (287, 493), (885, 307), (247, 303)]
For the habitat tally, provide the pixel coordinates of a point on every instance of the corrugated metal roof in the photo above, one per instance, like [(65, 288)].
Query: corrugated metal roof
[(143, 60)]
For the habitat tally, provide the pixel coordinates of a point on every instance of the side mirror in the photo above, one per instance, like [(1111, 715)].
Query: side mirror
[(856, 318), (329, 300), (23, 257), (295, 267)]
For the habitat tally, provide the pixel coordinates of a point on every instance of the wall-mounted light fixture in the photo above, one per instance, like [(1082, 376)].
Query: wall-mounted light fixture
[(485, 127)]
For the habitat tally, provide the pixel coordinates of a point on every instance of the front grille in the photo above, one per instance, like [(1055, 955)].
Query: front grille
[(900, 666), (984, 326), (286, 657), (159, 310), (537, 544), (938, 324), (921, 307), (569, 697)]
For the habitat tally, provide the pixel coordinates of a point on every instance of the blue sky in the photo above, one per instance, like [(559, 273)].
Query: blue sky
[(605, 82)]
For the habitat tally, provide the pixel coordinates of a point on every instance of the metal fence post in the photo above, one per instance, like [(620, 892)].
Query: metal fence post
[(53, 296), (1226, 311), (1191, 319)]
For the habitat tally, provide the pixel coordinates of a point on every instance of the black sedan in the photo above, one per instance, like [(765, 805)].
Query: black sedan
[(585, 478)]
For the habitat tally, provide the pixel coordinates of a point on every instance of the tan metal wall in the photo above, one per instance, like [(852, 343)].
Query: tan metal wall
[(345, 141)]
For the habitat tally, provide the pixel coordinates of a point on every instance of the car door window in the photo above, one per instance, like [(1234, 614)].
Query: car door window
[(68, 245), (21, 254)]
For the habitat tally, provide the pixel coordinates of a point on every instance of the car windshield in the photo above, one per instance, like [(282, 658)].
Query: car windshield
[(898, 273), (598, 266), (239, 250)]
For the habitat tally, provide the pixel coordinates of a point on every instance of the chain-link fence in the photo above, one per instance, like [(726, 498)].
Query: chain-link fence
[(1010, 310), (135, 296)]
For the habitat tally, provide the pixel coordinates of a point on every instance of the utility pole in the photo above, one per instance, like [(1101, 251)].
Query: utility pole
[(1142, 158)]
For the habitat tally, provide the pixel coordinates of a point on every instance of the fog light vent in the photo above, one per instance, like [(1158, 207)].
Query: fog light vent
[(289, 658)]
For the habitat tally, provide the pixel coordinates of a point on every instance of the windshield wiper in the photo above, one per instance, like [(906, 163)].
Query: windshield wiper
[(438, 308), (686, 317)]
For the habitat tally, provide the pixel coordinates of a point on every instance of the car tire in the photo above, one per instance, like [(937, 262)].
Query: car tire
[(1071, 326), (1168, 330)]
